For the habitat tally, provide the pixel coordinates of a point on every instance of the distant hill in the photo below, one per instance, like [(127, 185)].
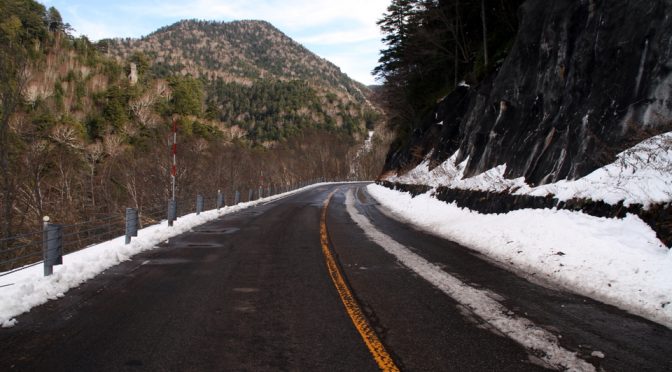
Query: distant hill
[(255, 76)]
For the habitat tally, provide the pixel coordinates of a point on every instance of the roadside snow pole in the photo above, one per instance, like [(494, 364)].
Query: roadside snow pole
[(131, 224), (236, 200), (53, 246), (173, 169), (199, 204), (249, 195), (261, 192), (220, 199), (172, 211)]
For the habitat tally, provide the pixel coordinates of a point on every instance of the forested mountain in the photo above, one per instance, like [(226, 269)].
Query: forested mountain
[(85, 127), (255, 77)]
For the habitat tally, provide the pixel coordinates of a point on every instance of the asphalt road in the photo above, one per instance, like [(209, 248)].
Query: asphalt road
[(263, 290)]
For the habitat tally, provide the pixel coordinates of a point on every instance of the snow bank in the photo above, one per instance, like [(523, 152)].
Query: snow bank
[(451, 174), (22, 290), (616, 261), (640, 175)]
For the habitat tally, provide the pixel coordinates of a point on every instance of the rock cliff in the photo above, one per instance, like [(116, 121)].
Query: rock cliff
[(583, 81)]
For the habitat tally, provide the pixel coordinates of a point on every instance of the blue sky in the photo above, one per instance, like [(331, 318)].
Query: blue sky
[(342, 31)]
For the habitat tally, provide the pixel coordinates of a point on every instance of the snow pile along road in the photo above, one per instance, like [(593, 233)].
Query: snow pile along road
[(641, 174), (616, 261), (22, 290)]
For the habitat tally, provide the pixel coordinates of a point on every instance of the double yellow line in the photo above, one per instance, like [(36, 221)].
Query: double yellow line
[(381, 356)]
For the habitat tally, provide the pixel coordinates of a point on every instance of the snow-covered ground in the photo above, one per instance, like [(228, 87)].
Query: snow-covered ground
[(641, 174), (24, 289), (616, 261)]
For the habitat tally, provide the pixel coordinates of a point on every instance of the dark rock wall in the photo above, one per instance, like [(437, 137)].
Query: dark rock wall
[(584, 80)]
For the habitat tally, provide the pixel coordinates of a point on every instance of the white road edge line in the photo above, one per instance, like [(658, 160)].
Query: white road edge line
[(519, 329)]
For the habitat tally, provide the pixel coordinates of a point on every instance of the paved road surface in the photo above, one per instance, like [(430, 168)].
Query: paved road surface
[(262, 290)]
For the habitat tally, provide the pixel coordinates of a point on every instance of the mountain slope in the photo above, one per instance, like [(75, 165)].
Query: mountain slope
[(249, 67), (241, 51)]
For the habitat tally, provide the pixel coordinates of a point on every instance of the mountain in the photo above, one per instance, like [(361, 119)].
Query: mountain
[(238, 51), (255, 76)]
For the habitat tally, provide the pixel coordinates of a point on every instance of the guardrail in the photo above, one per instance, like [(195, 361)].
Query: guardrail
[(49, 245)]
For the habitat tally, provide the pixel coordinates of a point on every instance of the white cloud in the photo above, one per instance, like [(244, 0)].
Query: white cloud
[(341, 37), (289, 14)]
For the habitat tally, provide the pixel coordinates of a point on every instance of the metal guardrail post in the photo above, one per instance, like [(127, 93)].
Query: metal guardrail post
[(236, 200), (131, 224), (220, 199), (172, 211), (53, 246), (199, 204)]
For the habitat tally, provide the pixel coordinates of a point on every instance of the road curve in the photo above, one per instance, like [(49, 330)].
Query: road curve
[(324, 280)]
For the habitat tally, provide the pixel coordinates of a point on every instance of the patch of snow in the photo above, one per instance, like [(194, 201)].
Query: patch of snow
[(22, 290), (463, 84), (441, 174), (641, 174), (597, 354), (368, 143), (490, 180), (451, 174), (616, 261)]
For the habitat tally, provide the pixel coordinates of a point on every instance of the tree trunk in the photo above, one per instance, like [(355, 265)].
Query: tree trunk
[(7, 195), (485, 34)]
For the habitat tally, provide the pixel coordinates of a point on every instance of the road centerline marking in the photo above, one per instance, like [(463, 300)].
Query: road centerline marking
[(373, 343)]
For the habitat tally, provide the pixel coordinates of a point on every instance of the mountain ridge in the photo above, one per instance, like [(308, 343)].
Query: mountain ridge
[(239, 35), (255, 77)]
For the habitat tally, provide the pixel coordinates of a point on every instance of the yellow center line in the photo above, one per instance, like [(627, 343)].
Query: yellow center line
[(382, 357)]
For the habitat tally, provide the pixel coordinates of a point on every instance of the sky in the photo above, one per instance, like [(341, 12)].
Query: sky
[(342, 31)]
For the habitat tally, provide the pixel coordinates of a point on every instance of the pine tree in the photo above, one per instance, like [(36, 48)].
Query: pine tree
[(395, 25)]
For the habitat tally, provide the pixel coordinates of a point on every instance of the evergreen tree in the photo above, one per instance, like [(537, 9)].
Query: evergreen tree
[(432, 44)]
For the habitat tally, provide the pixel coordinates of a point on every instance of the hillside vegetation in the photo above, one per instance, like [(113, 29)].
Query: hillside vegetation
[(85, 127)]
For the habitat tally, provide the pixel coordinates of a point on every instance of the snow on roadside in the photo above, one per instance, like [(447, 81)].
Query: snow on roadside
[(451, 174), (641, 174), (616, 261), (24, 289)]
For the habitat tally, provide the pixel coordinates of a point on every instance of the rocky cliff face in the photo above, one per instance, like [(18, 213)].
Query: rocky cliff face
[(583, 81)]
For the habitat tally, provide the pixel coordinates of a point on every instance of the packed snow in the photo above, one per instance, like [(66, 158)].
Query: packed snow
[(640, 175), (22, 290), (451, 174), (616, 261)]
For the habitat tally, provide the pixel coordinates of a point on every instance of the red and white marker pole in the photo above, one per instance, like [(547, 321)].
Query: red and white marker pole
[(173, 170)]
